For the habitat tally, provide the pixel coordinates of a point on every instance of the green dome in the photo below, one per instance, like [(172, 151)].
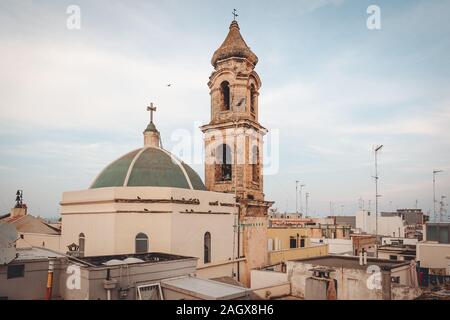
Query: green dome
[(148, 167)]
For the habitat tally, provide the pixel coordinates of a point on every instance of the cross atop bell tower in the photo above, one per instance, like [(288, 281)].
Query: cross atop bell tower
[(235, 15)]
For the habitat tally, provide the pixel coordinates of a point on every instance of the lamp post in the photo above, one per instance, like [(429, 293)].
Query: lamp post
[(301, 201), (377, 148), (434, 193), (307, 197)]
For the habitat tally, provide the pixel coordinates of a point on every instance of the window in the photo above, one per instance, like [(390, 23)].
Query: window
[(255, 164), (150, 292), (141, 243), (292, 243), (16, 271), (302, 243), (207, 247), (81, 244), (223, 163), (225, 92), (392, 257), (252, 98), (395, 279)]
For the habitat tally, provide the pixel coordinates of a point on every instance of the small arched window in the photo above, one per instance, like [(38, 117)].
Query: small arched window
[(223, 163), (255, 164), (225, 92), (81, 244), (252, 98), (141, 243), (207, 247)]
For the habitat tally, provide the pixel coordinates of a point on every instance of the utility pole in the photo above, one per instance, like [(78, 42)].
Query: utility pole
[(301, 201), (434, 193), (307, 197), (442, 210), (377, 148)]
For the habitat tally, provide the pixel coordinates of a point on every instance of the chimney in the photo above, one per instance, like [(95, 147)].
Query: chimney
[(386, 283), (18, 212)]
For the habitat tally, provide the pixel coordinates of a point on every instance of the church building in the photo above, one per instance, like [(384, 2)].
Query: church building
[(148, 200)]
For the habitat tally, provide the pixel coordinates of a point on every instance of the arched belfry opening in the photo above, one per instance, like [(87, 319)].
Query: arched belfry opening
[(252, 99), (255, 162), (223, 167), (225, 96)]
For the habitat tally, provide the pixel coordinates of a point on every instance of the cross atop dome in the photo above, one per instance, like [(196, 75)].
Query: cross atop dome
[(152, 109), (151, 134)]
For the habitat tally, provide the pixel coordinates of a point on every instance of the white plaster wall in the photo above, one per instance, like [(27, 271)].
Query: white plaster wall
[(264, 279), (387, 226), (434, 255), (99, 231), (335, 246), (155, 225), (49, 241), (111, 227), (351, 283), (188, 232)]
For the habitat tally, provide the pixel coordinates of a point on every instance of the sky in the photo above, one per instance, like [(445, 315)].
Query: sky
[(73, 100)]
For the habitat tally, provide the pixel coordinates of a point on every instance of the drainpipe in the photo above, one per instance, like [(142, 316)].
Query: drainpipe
[(239, 242), (48, 291), (109, 284)]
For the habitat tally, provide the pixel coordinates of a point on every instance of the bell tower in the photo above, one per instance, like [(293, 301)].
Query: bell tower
[(234, 143)]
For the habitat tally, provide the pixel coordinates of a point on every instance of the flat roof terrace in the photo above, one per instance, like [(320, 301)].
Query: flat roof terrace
[(112, 260), (351, 262)]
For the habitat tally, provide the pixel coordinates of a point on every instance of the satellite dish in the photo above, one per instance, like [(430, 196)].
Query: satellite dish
[(8, 237)]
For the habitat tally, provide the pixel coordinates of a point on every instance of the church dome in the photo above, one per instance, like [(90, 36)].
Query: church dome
[(234, 46), (149, 166)]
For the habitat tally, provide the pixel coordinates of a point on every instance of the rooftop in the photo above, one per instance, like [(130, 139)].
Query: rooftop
[(351, 262), (34, 253), (146, 167), (205, 289), (28, 223), (234, 46), (112, 260)]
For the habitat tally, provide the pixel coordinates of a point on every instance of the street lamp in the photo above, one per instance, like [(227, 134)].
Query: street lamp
[(377, 148), (434, 193), (307, 197), (301, 201)]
